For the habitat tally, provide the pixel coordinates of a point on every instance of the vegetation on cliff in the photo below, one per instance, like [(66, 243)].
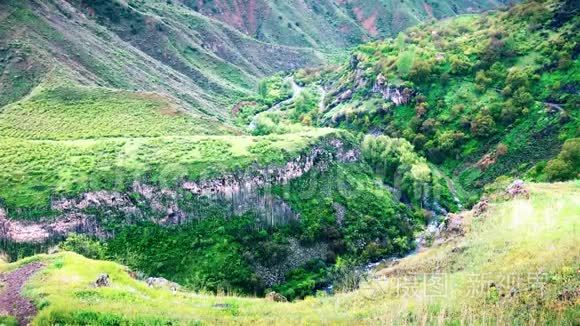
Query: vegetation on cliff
[(479, 95), (157, 128), (488, 279)]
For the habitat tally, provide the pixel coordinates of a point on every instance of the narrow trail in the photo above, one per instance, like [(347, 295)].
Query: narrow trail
[(12, 302)]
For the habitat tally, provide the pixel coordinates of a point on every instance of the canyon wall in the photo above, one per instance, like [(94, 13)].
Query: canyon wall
[(235, 193)]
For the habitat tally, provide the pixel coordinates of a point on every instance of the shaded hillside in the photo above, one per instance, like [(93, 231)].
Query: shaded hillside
[(328, 23), (137, 46), (182, 48)]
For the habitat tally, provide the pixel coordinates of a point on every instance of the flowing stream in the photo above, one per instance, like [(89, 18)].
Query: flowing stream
[(296, 91)]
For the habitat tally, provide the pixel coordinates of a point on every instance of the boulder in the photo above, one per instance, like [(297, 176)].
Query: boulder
[(517, 188), (276, 297), (103, 280), (480, 207), (160, 282), (454, 224)]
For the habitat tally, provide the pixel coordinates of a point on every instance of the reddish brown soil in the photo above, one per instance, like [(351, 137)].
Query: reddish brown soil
[(368, 23), (11, 300)]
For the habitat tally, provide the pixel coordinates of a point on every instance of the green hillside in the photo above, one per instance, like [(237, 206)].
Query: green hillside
[(526, 262), (66, 141), (259, 151), (479, 95), (196, 60), (205, 54)]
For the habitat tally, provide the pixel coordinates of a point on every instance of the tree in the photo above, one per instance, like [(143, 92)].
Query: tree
[(509, 112), (84, 245), (482, 81), (518, 77), (459, 65), (559, 170), (396, 160), (421, 71), (483, 125), (428, 126), (522, 98), (449, 139), (419, 140), (567, 164)]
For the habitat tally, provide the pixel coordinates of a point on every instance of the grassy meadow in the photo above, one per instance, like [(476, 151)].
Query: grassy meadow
[(69, 140)]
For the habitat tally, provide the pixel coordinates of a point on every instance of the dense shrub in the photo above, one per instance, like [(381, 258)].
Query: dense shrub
[(483, 125), (84, 245), (567, 165), (400, 166), (215, 249)]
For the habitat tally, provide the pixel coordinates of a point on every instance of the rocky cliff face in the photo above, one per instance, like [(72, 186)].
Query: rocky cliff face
[(397, 95), (236, 193), (24, 232)]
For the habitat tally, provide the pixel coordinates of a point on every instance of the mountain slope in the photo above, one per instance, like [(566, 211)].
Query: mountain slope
[(117, 126), (517, 262), (479, 95), (159, 48), (329, 24), (181, 48)]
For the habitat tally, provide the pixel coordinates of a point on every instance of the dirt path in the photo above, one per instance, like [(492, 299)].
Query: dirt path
[(11, 300)]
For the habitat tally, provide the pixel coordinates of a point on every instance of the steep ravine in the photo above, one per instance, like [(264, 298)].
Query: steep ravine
[(237, 193)]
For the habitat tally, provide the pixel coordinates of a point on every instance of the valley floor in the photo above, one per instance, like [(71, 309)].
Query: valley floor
[(518, 262)]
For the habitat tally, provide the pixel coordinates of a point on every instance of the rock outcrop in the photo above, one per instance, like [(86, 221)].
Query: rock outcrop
[(276, 297), (481, 207), (397, 95), (102, 281), (28, 232), (516, 189), (235, 193), (162, 283)]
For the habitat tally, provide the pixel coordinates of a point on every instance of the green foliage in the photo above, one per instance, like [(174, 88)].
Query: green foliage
[(8, 321), (302, 282), (474, 82), (271, 90), (79, 113), (421, 71), (84, 245), (305, 105), (400, 166), (346, 208), (205, 255), (483, 125), (405, 62), (533, 273), (265, 126), (35, 170), (342, 207), (274, 89), (566, 165)]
